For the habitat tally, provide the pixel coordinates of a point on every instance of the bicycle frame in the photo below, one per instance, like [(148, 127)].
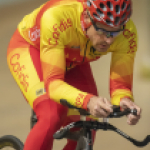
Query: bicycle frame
[(88, 126), (95, 125), (89, 142)]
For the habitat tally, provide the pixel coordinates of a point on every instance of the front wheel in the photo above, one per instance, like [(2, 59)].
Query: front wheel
[(10, 142)]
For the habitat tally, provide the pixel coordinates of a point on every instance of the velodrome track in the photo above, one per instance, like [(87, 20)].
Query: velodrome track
[(15, 112)]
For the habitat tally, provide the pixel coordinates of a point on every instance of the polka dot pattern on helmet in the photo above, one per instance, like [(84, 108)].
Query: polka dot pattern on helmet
[(110, 12)]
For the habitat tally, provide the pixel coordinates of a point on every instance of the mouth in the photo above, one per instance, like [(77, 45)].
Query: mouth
[(102, 46)]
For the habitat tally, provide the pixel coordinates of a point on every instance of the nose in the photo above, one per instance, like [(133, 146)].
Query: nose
[(108, 40), (103, 38)]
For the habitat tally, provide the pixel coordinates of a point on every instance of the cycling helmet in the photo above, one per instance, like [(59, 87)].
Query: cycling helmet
[(110, 12)]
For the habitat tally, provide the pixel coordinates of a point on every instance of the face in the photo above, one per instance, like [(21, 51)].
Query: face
[(100, 40)]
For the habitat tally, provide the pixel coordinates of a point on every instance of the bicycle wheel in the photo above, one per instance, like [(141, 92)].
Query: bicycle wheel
[(10, 142)]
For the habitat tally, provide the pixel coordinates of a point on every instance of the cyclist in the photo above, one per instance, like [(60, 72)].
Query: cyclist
[(49, 57)]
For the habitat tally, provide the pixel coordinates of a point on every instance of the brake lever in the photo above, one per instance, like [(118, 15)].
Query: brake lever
[(65, 103), (81, 111)]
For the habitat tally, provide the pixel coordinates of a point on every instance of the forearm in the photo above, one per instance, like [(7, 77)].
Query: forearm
[(120, 94), (58, 89)]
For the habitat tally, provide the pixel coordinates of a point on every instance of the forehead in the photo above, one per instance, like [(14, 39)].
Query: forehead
[(100, 25)]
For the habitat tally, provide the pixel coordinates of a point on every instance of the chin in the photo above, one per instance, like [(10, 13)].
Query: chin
[(101, 49)]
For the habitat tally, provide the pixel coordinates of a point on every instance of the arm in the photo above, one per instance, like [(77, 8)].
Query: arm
[(121, 77), (121, 71), (54, 63), (121, 74)]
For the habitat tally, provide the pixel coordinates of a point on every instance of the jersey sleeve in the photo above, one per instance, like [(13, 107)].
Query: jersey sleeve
[(121, 72), (54, 62)]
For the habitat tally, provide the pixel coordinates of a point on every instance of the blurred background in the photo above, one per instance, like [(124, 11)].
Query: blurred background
[(15, 112)]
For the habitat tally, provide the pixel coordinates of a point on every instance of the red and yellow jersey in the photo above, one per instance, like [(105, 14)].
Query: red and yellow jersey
[(55, 28)]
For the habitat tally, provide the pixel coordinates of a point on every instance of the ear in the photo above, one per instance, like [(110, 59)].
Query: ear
[(86, 19), (85, 14)]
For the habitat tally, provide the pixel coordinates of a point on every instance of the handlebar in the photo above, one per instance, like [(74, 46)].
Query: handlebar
[(115, 114), (100, 125)]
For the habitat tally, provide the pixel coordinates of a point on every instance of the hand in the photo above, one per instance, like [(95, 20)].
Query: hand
[(127, 103), (99, 107)]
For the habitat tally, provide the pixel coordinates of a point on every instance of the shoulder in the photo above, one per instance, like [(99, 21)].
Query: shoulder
[(127, 40), (62, 8), (130, 30), (58, 22), (67, 12)]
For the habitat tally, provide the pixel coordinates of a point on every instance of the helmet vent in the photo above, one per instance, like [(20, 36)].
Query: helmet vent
[(123, 16), (109, 4), (100, 13), (123, 6), (109, 22), (109, 14), (129, 7), (117, 20), (97, 17), (103, 7), (117, 9), (88, 3)]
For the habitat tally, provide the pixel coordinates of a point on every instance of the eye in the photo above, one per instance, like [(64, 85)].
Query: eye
[(100, 32), (109, 34)]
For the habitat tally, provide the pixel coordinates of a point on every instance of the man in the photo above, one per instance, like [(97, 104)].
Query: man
[(49, 57)]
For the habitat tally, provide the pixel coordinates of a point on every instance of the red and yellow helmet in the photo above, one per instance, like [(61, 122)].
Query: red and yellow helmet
[(110, 12)]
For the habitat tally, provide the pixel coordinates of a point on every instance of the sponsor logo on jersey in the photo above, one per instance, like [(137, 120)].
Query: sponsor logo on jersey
[(79, 99), (34, 34), (132, 40), (58, 29), (18, 70)]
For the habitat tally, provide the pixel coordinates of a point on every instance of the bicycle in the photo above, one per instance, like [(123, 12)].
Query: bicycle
[(84, 136), (10, 142)]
